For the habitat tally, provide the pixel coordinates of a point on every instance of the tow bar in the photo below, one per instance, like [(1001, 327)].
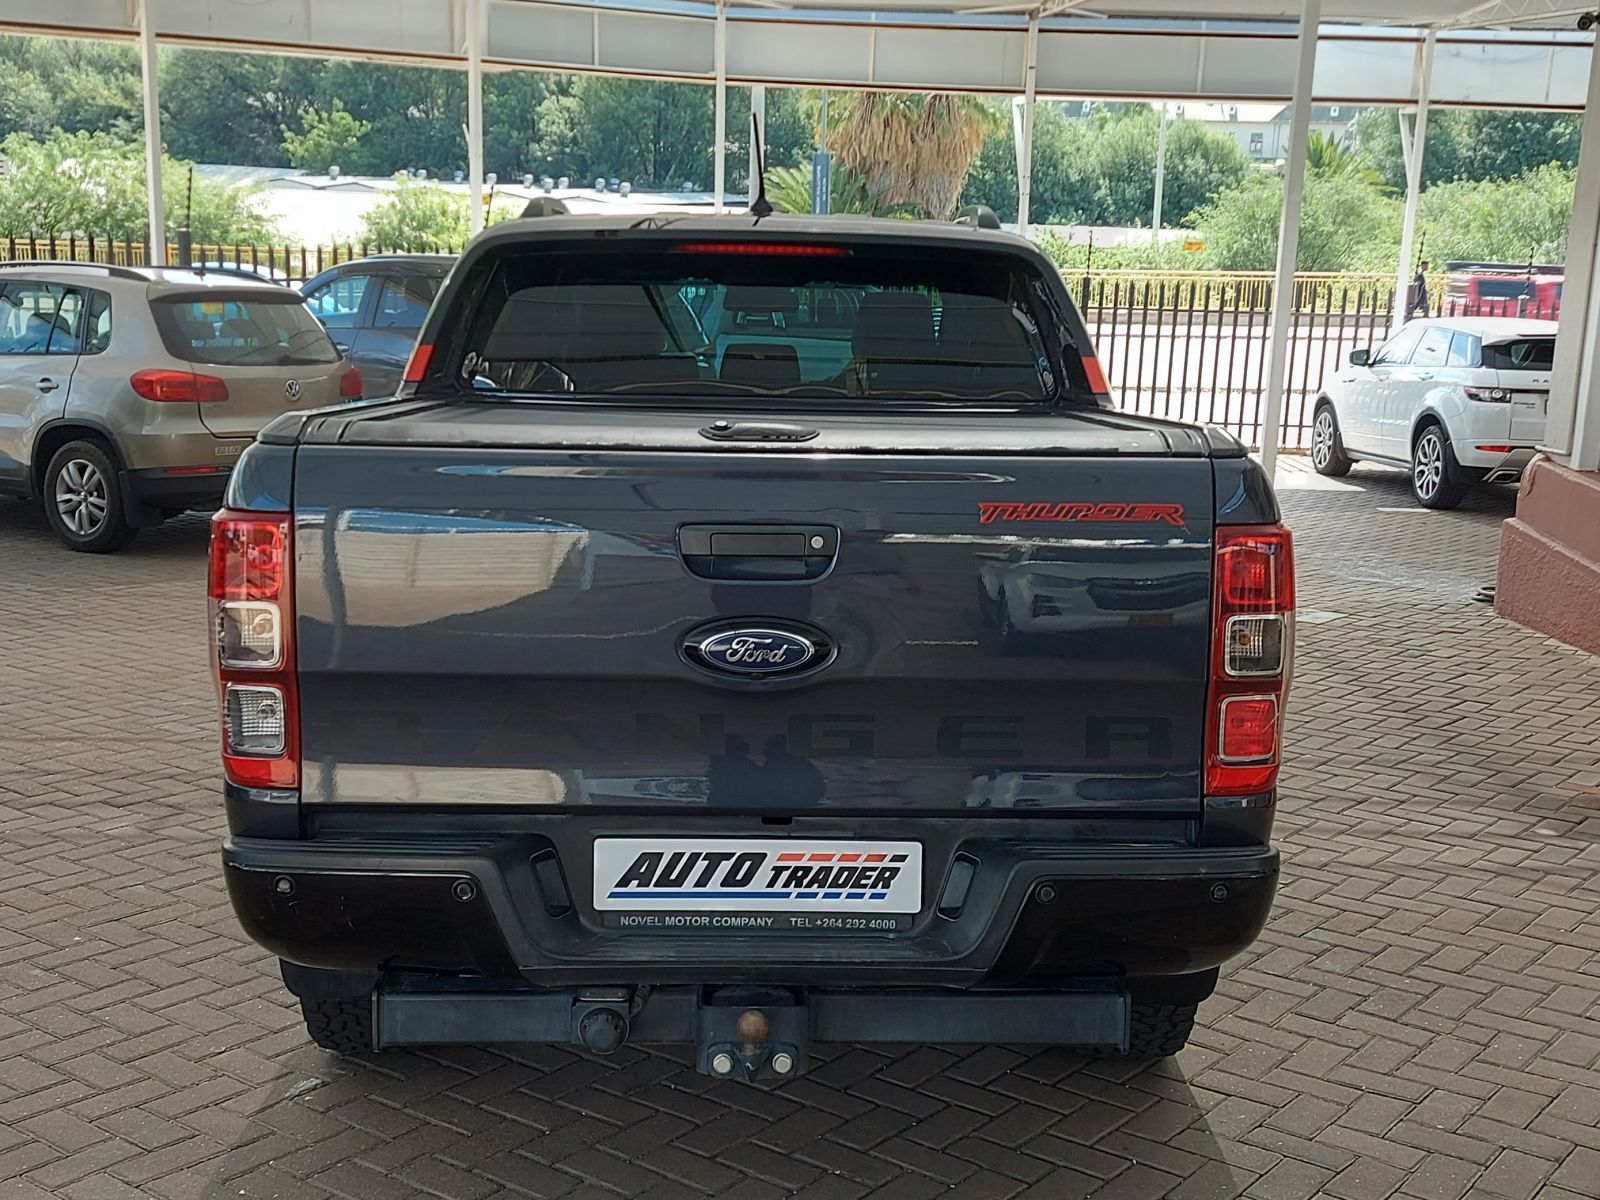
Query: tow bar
[(748, 1033)]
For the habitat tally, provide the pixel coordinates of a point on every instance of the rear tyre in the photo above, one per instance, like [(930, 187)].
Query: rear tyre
[(343, 1026), (83, 501), (1156, 1031), (1434, 471), (1327, 444)]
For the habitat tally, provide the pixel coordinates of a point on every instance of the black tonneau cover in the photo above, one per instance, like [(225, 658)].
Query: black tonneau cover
[(598, 425)]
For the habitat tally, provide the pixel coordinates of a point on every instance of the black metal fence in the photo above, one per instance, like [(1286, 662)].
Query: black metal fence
[(1191, 345), (288, 264)]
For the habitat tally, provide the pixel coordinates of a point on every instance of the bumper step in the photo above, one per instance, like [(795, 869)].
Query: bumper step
[(754, 1033)]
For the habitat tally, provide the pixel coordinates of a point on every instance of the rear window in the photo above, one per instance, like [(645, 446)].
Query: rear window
[(1525, 354), (255, 328), (1504, 289), (828, 323)]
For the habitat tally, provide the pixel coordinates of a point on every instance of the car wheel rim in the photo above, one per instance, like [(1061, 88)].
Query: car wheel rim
[(1322, 438), (81, 497), (1428, 471)]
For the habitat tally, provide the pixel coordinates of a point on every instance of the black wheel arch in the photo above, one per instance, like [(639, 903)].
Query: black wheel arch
[(56, 433)]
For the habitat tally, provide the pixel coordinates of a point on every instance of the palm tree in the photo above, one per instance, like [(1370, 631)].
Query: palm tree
[(1328, 157), (789, 189), (912, 149)]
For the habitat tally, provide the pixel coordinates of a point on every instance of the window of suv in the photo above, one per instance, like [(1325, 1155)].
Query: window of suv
[(1396, 352), (40, 318), (1523, 354), (1465, 351), (851, 322), (259, 327), (1433, 349)]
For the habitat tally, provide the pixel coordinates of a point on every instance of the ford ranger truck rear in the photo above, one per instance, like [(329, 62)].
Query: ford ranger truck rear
[(747, 635)]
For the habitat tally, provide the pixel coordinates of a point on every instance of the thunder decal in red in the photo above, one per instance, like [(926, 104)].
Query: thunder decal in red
[(990, 511)]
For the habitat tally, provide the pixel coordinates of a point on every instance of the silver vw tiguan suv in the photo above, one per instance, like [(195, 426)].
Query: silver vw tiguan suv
[(126, 393)]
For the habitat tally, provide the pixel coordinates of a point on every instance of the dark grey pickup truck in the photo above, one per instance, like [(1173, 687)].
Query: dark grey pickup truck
[(748, 634)]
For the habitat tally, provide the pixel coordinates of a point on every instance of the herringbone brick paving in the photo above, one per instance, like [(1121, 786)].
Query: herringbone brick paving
[(1420, 1018)]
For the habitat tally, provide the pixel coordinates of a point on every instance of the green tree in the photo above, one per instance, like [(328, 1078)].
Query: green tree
[(413, 114), (1328, 157), (1199, 165), (93, 86), (1470, 144), (424, 217), (329, 138), (222, 107), (1100, 169), (1345, 225), (94, 184), (527, 124), (1066, 184), (651, 133), (25, 103), (1512, 220), (789, 190)]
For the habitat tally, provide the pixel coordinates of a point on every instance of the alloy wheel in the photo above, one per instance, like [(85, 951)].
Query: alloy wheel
[(81, 497), (1322, 434), (1427, 469)]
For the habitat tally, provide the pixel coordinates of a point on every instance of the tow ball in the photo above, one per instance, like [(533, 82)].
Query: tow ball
[(768, 1042)]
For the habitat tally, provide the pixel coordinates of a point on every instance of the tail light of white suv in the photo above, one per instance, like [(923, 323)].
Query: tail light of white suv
[(252, 621), (1252, 658)]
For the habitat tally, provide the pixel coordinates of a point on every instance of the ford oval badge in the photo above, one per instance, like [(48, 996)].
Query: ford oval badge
[(757, 651)]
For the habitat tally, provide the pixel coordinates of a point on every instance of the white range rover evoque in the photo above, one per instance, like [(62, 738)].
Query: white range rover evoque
[(1458, 401)]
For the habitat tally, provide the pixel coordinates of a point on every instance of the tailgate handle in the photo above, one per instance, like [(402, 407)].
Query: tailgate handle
[(761, 553), (757, 431)]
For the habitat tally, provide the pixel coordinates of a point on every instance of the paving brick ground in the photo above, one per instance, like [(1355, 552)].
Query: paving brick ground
[(1420, 1018)]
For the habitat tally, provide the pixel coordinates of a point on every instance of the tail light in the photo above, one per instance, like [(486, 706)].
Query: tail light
[(417, 364), (179, 387), (764, 249), (252, 622), (1488, 395), (1095, 375), (351, 384), (1252, 658)]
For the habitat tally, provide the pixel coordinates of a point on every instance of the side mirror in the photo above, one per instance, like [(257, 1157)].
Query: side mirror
[(343, 348), (1360, 358)]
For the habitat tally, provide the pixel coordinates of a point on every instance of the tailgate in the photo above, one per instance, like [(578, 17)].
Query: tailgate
[(258, 394), (265, 347), (543, 627)]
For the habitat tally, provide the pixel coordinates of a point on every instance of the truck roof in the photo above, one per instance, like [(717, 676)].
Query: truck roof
[(778, 227)]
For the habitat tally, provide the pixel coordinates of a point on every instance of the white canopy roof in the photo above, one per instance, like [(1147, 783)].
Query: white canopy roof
[(1149, 49)]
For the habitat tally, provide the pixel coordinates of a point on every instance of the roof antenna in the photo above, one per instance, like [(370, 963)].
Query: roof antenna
[(760, 206)]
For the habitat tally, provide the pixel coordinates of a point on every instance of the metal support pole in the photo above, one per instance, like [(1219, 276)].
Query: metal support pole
[(1572, 423), (475, 36), (719, 174), (155, 250), (1030, 80), (758, 115), (1161, 178), (1405, 141), (1294, 186), (1417, 153)]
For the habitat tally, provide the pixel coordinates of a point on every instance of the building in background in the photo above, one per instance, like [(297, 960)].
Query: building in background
[(1262, 130)]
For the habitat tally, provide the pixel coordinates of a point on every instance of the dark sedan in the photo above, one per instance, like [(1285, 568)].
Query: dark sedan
[(375, 306)]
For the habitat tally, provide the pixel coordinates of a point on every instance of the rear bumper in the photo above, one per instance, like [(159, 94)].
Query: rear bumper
[(1493, 466), (514, 907), (159, 488)]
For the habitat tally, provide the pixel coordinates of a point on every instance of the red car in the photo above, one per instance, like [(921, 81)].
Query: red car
[(1503, 290)]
